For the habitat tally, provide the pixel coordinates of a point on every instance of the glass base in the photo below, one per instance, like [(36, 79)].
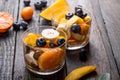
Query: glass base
[(45, 72), (77, 47)]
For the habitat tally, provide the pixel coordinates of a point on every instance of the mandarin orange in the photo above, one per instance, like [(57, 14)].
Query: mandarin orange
[(27, 13)]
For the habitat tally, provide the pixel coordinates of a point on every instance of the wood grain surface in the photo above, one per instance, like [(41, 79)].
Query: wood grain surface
[(102, 50)]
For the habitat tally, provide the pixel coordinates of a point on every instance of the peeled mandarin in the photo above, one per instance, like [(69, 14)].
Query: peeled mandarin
[(84, 29), (51, 59)]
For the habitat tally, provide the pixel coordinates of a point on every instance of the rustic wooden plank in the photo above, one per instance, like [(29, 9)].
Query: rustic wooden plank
[(7, 42), (100, 53), (105, 37), (111, 17)]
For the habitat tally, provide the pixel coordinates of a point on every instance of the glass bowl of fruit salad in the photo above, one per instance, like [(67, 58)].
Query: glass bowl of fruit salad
[(75, 22), (44, 49)]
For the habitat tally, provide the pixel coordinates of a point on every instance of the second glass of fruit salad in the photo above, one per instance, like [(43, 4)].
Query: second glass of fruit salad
[(75, 22), (44, 49)]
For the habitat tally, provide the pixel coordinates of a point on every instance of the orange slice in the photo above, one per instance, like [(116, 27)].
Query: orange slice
[(6, 21), (51, 59)]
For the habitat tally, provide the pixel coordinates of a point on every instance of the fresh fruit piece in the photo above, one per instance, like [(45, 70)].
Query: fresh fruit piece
[(27, 13), (24, 25), (78, 7), (74, 19), (26, 2), (87, 20), (77, 36), (105, 76), (57, 4), (68, 15), (79, 12), (60, 41), (16, 26), (84, 15), (51, 59), (75, 28), (76, 74), (31, 39), (84, 29), (37, 54), (29, 58), (50, 34), (52, 45), (44, 3), (41, 42), (62, 20), (38, 5), (64, 28), (6, 21)]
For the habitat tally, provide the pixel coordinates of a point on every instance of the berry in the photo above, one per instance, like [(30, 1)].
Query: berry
[(44, 3), (69, 15), (75, 28), (16, 26), (26, 2), (79, 11), (38, 5), (52, 45), (60, 41), (24, 25), (41, 42), (84, 15), (78, 7)]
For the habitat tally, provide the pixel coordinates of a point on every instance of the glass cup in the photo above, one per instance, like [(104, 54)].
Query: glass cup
[(47, 59), (76, 38)]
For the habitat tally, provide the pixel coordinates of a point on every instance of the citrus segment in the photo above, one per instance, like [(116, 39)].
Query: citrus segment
[(6, 21), (51, 59)]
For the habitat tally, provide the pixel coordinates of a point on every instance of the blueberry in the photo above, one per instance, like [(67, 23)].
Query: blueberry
[(16, 26), (69, 15), (60, 41), (78, 7), (52, 45), (41, 42), (75, 28), (44, 3), (84, 15), (24, 25), (26, 2), (79, 11), (38, 5)]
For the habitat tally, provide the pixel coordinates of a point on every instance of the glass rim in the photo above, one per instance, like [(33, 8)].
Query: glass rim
[(51, 27), (69, 10)]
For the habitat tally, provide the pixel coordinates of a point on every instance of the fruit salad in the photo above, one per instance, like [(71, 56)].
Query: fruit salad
[(75, 22), (44, 49)]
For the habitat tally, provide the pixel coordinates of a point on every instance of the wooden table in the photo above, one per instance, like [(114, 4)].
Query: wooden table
[(103, 49)]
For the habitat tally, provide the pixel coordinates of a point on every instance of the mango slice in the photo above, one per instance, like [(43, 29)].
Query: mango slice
[(80, 72), (56, 5)]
